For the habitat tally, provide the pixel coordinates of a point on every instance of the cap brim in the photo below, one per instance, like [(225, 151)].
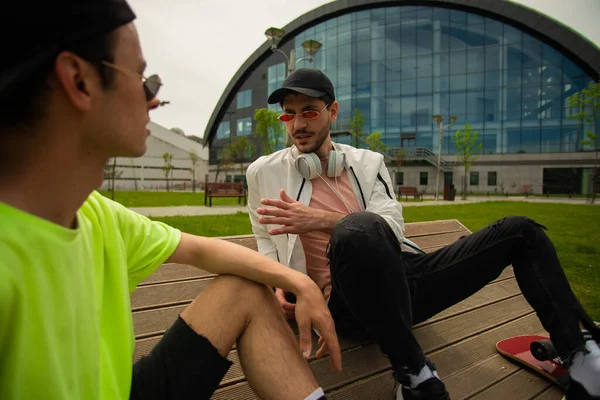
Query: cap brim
[(278, 95)]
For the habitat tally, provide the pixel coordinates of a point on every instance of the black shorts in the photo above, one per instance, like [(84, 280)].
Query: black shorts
[(183, 365)]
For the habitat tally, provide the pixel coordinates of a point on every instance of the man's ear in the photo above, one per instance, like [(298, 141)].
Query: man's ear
[(333, 111), (76, 79)]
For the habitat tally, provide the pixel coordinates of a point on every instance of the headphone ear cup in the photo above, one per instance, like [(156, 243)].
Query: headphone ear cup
[(335, 166), (308, 165)]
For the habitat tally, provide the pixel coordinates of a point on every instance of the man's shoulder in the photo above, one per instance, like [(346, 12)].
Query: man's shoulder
[(269, 161), (357, 153)]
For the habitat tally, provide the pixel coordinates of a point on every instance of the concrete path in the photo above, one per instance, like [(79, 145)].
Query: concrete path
[(224, 210)]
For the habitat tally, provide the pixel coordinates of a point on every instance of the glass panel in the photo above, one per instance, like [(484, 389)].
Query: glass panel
[(458, 82), (378, 49), (344, 55), (363, 52), (223, 132), (550, 139), (423, 178), (425, 66), (475, 60), (458, 102), (244, 126), (474, 181), (530, 140), (492, 178), (458, 62)]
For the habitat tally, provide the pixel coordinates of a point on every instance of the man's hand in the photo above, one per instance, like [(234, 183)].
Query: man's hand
[(288, 309), (312, 311), (295, 217)]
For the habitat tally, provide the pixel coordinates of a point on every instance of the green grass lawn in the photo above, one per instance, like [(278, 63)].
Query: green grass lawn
[(574, 229), (165, 199)]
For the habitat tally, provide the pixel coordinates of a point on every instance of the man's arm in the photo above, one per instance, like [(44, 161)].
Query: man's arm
[(384, 203), (222, 257), (263, 240), (296, 217)]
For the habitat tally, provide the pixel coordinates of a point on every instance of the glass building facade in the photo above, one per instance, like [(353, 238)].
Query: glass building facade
[(400, 65)]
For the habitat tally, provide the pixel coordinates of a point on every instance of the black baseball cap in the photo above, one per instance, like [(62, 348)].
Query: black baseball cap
[(307, 81), (35, 33)]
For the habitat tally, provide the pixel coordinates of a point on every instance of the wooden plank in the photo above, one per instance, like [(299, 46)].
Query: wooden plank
[(431, 337), (172, 272), (522, 385), (156, 321), (455, 365), (479, 320), (178, 272), (491, 293), (380, 387), (444, 239), (552, 393), (167, 293), (431, 228)]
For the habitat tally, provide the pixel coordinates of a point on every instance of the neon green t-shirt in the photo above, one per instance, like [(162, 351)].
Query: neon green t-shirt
[(66, 329)]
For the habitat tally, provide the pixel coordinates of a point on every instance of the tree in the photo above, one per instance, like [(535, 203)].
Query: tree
[(111, 173), (400, 157), (240, 150), (224, 161), (357, 133), (168, 167), (587, 104), (194, 159), (269, 130), (466, 145), (374, 142)]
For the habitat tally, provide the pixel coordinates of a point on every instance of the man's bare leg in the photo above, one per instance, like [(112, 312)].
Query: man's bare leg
[(234, 309)]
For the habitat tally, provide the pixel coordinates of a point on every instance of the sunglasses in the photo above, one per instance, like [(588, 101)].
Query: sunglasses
[(151, 84), (308, 114)]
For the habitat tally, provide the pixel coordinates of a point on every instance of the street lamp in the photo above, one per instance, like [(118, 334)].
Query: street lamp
[(311, 47), (439, 121)]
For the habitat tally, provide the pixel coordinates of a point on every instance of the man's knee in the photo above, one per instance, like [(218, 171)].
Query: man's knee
[(242, 289), (525, 225), (357, 228)]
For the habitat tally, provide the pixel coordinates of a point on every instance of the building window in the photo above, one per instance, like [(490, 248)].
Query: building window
[(423, 178), (224, 130), (399, 178), (275, 77), (244, 99), (474, 178), (492, 178), (244, 126)]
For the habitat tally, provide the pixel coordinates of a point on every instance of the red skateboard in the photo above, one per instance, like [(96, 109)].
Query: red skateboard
[(536, 353)]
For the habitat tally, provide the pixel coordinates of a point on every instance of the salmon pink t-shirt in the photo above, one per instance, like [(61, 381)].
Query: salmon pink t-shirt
[(325, 197)]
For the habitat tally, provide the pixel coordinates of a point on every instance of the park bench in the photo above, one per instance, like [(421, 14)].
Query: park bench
[(224, 189), (460, 341), (409, 191)]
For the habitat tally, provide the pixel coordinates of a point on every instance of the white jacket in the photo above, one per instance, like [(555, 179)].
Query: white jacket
[(369, 179)]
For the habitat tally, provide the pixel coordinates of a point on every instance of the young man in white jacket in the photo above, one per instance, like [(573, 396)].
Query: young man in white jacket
[(329, 210)]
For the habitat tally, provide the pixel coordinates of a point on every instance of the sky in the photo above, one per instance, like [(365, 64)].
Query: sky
[(197, 46)]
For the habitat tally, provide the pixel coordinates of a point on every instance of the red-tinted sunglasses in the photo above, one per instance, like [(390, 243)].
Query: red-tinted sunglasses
[(308, 114)]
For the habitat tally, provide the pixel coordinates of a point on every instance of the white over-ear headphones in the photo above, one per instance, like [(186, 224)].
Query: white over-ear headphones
[(308, 165)]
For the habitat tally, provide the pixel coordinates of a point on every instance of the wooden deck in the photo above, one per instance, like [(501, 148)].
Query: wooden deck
[(460, 340)]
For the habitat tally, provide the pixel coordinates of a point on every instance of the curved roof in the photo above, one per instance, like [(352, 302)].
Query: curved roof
[(577, 48)]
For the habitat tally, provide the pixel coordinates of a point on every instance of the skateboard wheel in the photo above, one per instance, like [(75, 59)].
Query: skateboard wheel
[(543, 350)]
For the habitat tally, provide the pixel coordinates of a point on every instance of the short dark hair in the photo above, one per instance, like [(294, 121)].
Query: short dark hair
[(24, 103)]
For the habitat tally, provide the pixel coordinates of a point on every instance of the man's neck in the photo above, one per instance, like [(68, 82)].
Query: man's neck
[(48, 183)]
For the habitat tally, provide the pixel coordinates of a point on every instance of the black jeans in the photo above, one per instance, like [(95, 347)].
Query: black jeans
[(379, 292)]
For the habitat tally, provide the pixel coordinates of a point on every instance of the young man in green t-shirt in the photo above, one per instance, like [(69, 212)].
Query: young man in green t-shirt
[(72, 95)]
